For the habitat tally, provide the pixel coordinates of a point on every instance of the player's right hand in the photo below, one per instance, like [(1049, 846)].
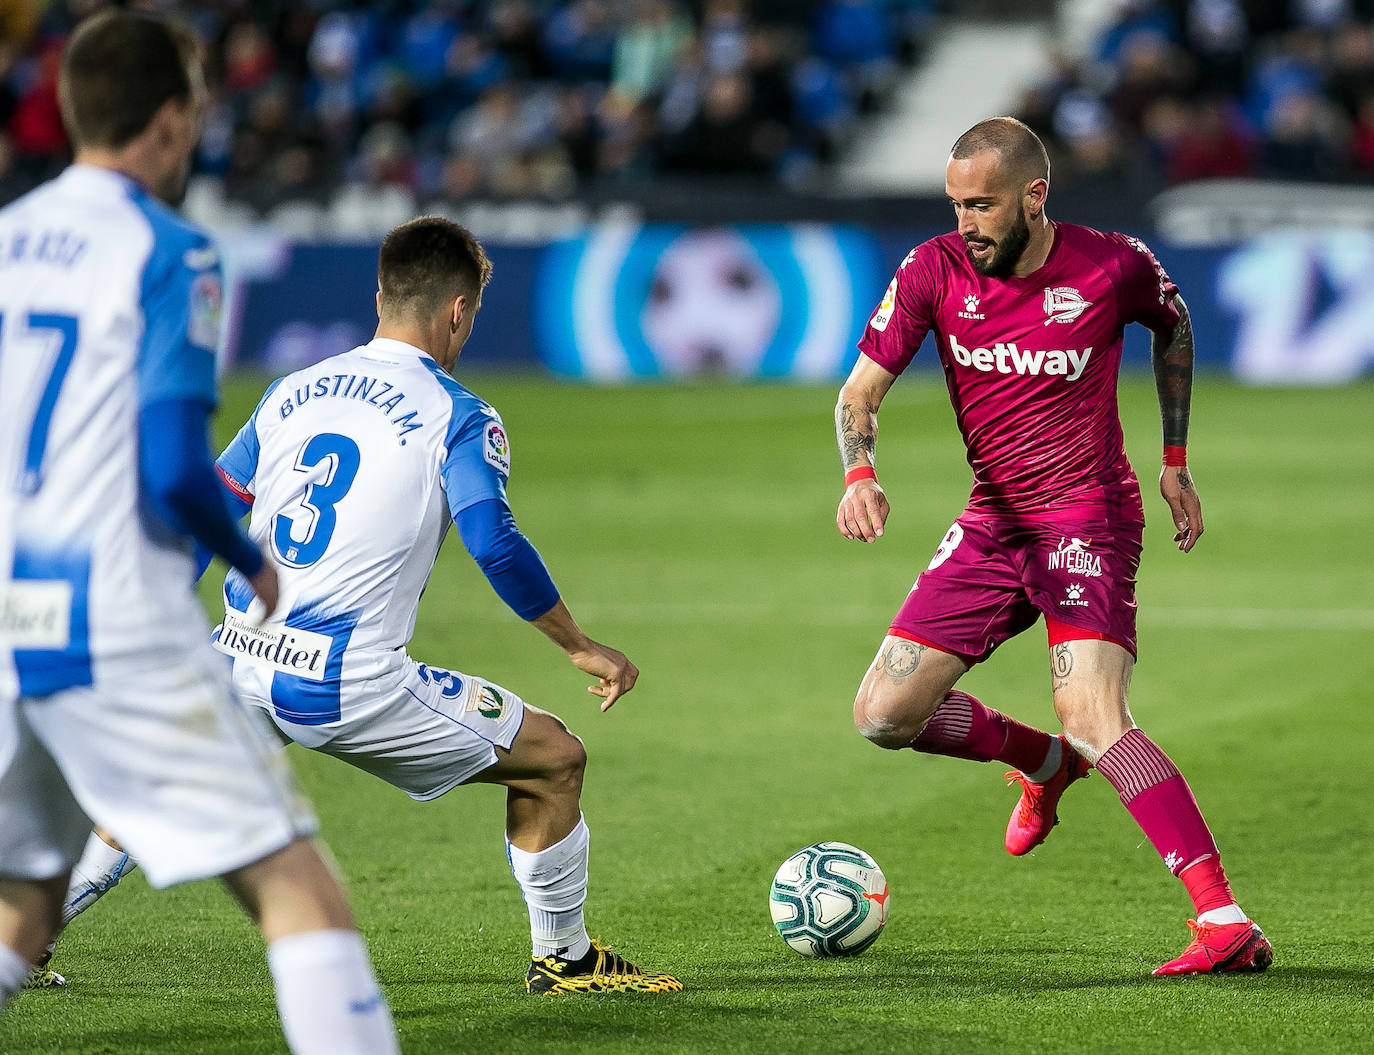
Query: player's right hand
[(265, 586), (863, 511), (614, 673)]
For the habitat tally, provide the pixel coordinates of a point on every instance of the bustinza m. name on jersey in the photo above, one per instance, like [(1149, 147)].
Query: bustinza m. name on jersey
[(1031, 363), (355, 468)]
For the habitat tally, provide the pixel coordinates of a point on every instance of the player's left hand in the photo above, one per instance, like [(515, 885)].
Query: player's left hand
[(1176, 485), (615, 674)]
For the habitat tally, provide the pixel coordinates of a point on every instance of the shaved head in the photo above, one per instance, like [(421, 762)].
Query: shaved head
[(997, 179), (1021, 155)]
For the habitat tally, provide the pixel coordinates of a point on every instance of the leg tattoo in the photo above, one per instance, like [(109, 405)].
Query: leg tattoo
[(1061, 664), (901, 659)]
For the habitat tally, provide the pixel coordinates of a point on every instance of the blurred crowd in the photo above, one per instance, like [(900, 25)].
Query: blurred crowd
[(1179, 90), (500, 98), (464, 99)]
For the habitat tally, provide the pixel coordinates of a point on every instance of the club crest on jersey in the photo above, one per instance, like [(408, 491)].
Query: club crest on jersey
[(971, 308), (496, 448), (883, 315), (1076, 557), (487, 702), (1064, 304)]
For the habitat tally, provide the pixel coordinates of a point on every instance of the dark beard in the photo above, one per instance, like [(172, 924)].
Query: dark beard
[(1005, 257)]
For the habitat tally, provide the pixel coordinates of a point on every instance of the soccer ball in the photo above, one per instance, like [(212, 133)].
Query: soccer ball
[(829, 899)]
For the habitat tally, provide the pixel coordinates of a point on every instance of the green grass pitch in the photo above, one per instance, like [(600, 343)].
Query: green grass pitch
[(693, 528)]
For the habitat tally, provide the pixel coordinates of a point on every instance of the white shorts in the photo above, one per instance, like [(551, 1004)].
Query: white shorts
[(426, 733), (159, 753)]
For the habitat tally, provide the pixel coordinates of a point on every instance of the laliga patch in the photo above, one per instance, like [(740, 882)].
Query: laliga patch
[(883, 315), (207, 300), (496, 448)]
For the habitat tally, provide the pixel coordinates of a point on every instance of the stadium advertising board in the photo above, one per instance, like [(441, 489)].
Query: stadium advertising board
[(663, 301), (629, 302)]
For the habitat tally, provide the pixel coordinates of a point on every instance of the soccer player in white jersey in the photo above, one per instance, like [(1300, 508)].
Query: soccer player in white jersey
[(354, 469), (113, 707)]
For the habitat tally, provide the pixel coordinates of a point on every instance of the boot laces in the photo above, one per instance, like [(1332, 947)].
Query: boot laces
[(1029, 806)]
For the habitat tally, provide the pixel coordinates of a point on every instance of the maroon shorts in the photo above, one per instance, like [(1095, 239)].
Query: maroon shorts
[(993, 576)]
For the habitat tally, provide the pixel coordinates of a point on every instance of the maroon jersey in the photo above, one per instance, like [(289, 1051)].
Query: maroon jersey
[(1031, 363)]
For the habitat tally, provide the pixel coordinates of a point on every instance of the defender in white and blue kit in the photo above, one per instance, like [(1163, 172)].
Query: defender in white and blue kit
[(354, 469), (112, 706)]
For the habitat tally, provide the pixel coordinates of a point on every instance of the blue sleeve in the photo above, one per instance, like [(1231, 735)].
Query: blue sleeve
[(179, 484), (180, 301), (478, 461), (507, 558)]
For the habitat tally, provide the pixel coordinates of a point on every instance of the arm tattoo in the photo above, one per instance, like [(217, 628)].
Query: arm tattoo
[(1171, 355), (901, 659), (1061, 663), (1185, 482), (857, 429)]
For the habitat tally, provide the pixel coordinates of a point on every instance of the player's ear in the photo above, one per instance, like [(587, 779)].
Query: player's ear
[(1036, 191), (456, 313), (379, 303), (162, 128)]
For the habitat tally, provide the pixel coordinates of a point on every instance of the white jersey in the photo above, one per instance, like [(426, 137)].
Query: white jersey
[(113, 708), (108, 302), (355, 468)]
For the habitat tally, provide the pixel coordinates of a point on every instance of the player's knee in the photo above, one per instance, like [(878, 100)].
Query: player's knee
[(567, 764), (1092, 726), (880, 723)]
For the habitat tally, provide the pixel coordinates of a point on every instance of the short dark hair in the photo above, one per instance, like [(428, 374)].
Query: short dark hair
[(428, 261), (1023, 154), (118, 69)]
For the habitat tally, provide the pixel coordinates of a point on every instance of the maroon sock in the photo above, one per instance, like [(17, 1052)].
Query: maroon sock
[(1207, 885), (963, 728), (1157, 796)]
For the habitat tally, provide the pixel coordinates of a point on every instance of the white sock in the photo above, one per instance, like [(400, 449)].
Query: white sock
[(1052, 762), (100, 869), (1226, 914), (327, 995), (13, 971), (554, 882)]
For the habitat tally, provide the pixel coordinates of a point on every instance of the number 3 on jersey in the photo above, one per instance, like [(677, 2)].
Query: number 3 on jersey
[(317, 504)]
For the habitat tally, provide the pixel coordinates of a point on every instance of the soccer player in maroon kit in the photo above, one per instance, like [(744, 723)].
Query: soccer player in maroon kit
[(1028, 318)]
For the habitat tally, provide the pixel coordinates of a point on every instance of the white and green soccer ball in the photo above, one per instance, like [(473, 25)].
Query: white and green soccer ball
[(829, 899)]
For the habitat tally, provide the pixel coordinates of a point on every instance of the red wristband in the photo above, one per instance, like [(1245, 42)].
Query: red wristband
[(1176, 456), (862, 472)]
